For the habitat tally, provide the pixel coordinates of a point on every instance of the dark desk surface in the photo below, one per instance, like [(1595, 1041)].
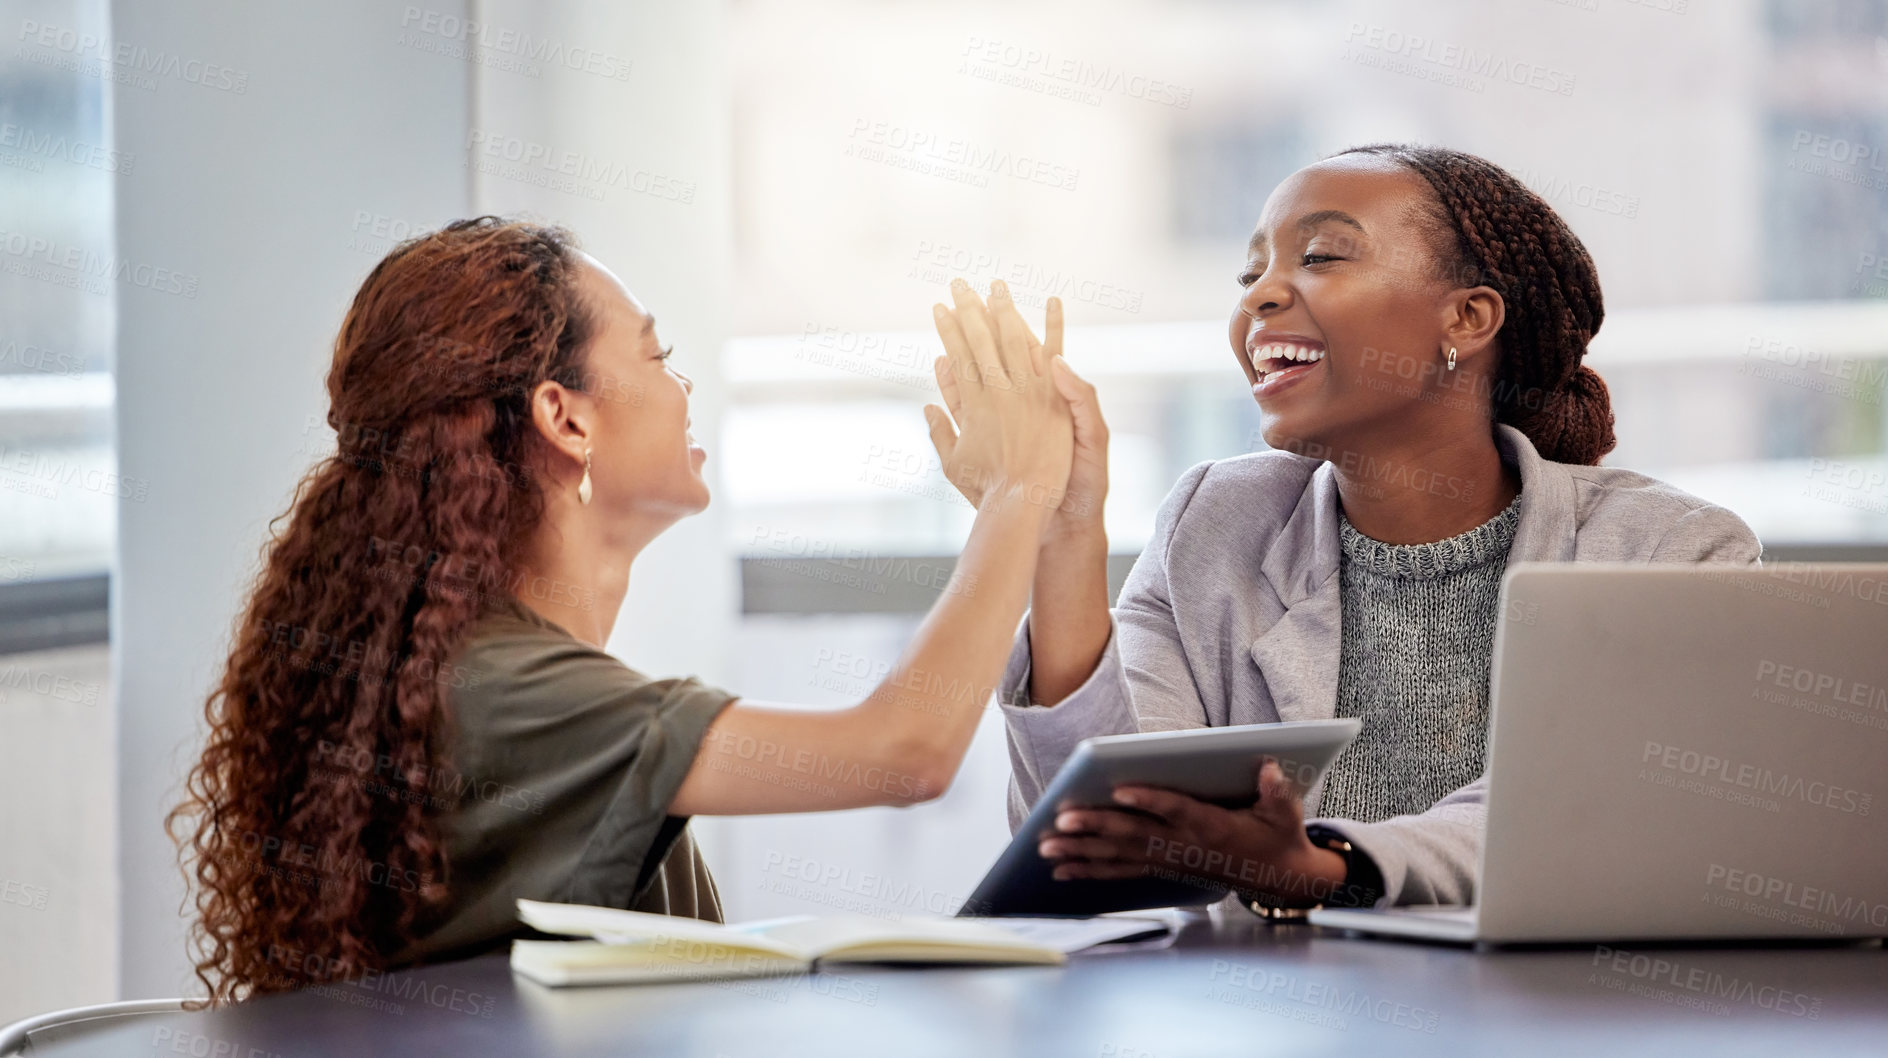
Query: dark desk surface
[(1231, 986)]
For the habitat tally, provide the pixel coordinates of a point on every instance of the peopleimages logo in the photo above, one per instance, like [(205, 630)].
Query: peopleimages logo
[(132, 58), (1754, 777), (1030, 284), (1837, 149), (86, 268), (510, 42), (28, 140), (1790, 894), (1707, 989), (1823, 685), (888, 142), (873, 890), (1416, 47), (531, 159), (766, 753), (1074, 78), (1568, 191), (1253, 983)]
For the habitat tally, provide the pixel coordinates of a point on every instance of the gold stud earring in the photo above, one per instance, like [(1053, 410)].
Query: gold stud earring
[(583, 487), (1452, 358)]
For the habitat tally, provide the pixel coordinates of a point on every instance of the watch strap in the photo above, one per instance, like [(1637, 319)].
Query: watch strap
[(1362, 886)]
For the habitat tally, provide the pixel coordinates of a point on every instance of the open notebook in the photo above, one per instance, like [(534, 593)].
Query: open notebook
[(627, 947)]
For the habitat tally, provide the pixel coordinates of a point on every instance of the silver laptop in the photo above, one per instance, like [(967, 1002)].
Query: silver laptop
[(1678, 753)]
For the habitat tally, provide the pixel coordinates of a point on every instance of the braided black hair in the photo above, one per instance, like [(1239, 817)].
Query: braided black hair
[(1508, 238)]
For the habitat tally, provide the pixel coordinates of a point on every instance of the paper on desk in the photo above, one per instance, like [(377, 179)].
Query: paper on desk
[(1070, 935), (1066, 935)]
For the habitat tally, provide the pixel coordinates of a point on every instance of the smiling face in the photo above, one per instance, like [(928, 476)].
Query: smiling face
[(1346, 315), (644, 460)]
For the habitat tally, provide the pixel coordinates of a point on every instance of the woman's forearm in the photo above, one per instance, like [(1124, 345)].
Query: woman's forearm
[(1068, 616), (904, 742), (928, 707), (1007, 442)]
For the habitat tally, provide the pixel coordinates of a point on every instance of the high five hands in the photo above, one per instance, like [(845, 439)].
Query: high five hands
[(1021, 424)]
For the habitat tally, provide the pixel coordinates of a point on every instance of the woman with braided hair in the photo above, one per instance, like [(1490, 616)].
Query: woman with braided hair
[(1411, 321)]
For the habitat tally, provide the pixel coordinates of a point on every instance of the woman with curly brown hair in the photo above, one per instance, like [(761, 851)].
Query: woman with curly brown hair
[(1411, 322), (418, 724)]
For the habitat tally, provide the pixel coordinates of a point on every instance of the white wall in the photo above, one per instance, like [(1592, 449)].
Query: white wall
[(655, 143), (58, 922), (361, 110), (256, 194)]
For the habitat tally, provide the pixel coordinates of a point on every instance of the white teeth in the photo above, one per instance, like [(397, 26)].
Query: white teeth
[(1282, 351)]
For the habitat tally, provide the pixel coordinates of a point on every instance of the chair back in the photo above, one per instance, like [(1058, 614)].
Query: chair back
[(23, 1036)]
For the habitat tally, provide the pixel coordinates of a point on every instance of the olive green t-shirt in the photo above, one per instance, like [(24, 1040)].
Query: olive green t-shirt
[(561, 764)]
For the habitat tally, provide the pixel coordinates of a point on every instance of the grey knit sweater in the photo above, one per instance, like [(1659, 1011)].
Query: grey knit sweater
[(1418, 639)]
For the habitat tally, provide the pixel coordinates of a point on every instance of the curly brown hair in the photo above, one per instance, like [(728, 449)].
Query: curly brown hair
[(312, 859), (1492, 230)]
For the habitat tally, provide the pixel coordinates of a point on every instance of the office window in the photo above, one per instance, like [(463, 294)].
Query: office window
[(1223, 171), (1745, 345), (1749, 368), (59, 486)]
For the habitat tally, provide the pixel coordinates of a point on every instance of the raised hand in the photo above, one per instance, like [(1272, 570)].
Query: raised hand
[(1012, 437), (1087, 487), (1080, 512)]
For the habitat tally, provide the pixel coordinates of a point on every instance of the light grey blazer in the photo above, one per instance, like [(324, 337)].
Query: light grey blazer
[(1231, 616)]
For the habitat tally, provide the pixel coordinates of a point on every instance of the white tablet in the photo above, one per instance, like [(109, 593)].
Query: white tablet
[(1216, 764)]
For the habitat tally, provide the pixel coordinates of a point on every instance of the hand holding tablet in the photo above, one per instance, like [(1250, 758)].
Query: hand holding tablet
[(1168, 819), (1260, 847)]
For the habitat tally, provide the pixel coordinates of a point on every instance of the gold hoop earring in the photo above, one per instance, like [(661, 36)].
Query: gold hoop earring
[(1452, 358), (583, 487)]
